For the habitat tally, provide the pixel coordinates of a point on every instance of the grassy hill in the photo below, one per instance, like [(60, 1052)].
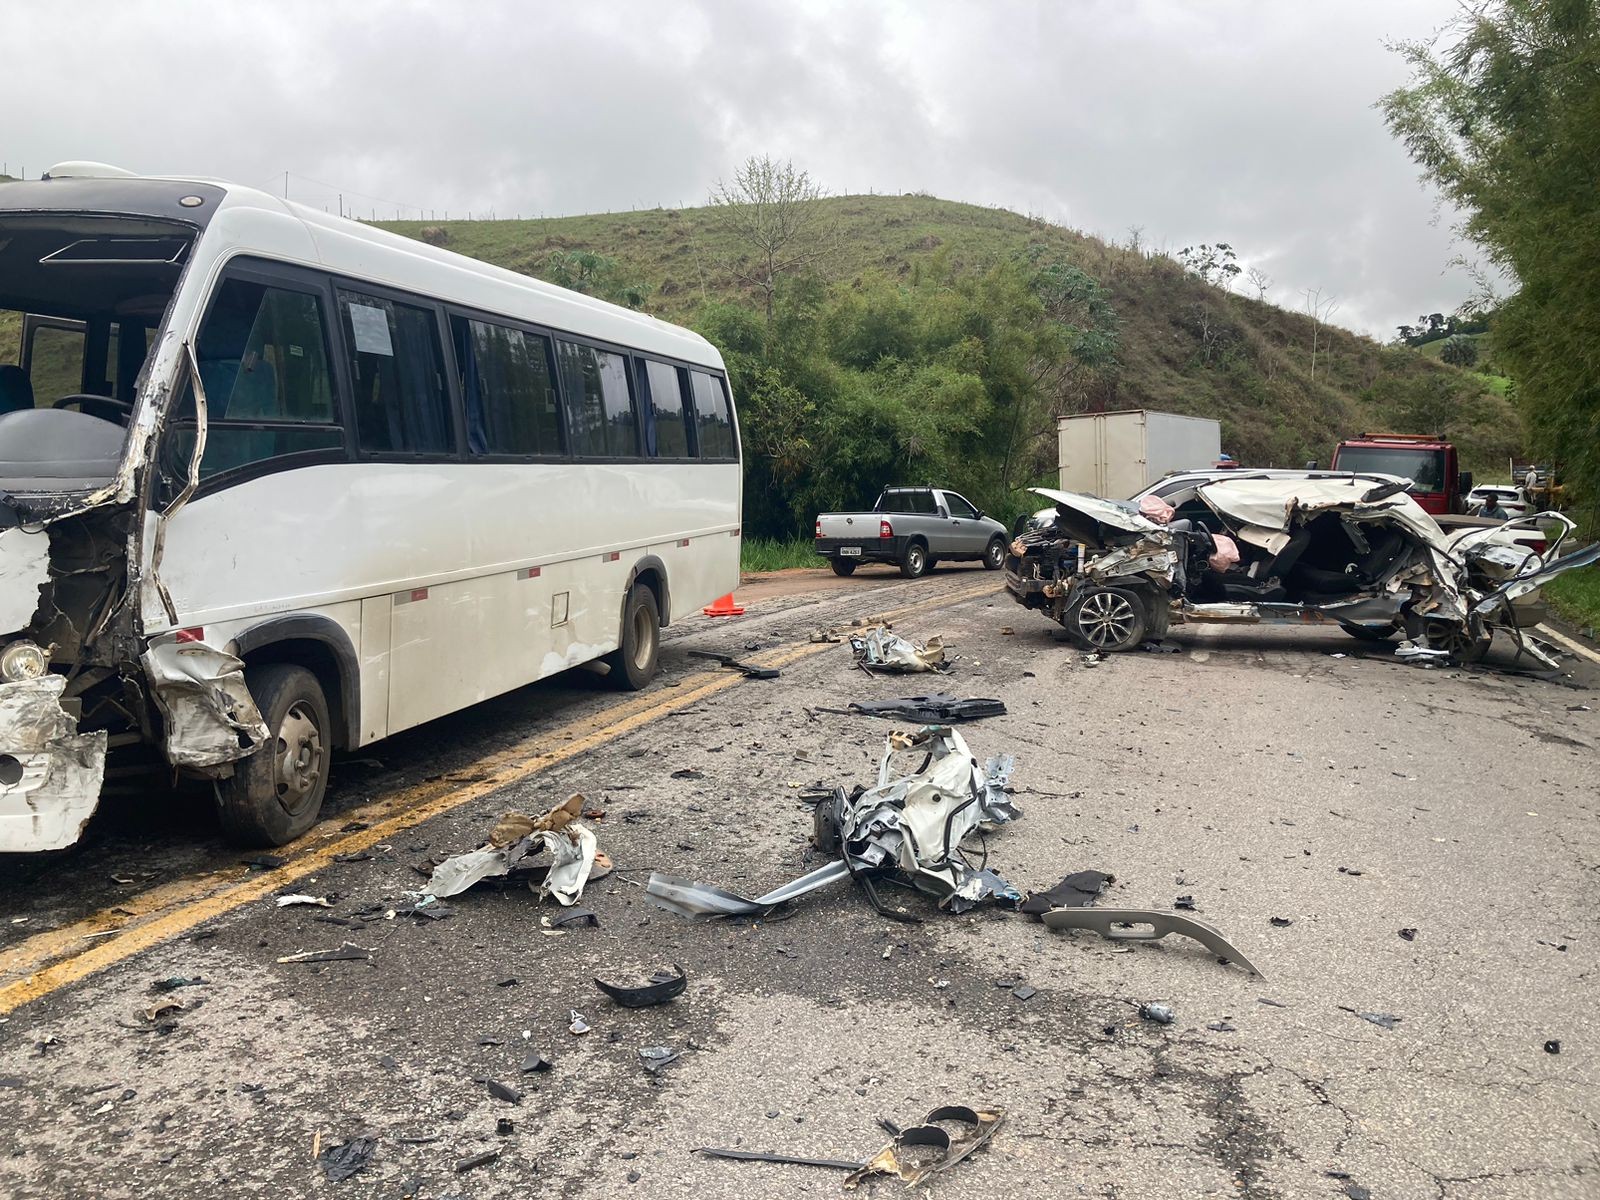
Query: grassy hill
[(1185, 346)]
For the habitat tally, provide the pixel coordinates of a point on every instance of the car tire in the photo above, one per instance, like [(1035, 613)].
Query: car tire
[(633, 663), (1107, 619), (844, 567), (276, 794), (1461, 645), (994, 555), (1367, 633), (914, 563)]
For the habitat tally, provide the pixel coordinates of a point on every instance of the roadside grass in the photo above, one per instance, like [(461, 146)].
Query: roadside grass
[(1576, 596), (770, 554)]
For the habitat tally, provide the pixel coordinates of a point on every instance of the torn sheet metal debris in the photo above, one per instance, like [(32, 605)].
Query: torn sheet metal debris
[(211, 718), (791, 1160), (946, 1136), (749, 670), (935, 709), (50, 774), (880, 649), (909, 828), (513, 844), (663, 985), (1146, 925), (340, 1162), (1075, 891), (348, 952)]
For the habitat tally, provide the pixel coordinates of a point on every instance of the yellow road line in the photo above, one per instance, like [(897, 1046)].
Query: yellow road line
[(55, 958)]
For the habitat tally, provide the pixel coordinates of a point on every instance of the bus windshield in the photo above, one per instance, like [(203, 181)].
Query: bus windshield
[(80, 299), (1425, 468)]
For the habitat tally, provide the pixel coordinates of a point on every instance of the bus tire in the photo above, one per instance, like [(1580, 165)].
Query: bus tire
[(633, 662), (276, 794)]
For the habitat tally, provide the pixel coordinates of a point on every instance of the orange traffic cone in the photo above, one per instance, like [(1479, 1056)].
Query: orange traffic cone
[(724, 607)]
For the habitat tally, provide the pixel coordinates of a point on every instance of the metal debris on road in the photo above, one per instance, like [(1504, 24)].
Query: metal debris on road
[(792, 1160), (1129, 925), (908, 828), (1161, 1014), (663, 985), (348, 952), (300, 898), (749, 670), (579, 1026), (655, 1058), (463, 1165), (1075, 891), (921, 1151), (935, 709), (513, 844), (881, 650), (1381, 1019)]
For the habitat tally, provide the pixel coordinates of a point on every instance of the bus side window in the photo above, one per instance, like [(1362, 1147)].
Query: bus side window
[(713, 424), (54, 357), (401, 402), (671, 434), (508, 388), (599, 402)]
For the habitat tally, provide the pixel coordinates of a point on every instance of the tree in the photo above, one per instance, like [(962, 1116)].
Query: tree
[(778, 219), (1260, 280), (1459, 351), (1320, 311), (1503, 116), (593, 275), (1216, 265)]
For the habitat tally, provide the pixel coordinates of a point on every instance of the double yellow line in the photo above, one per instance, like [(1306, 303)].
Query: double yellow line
[(41, 964)]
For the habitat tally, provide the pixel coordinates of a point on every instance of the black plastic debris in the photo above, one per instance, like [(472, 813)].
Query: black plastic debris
[(536, 1063), (662, 986), (936, 709), (349, 952), (501, 1092), (685, 773), (173, 982), (12, 1081), (1161, 1014), (571, 916), (340, 1162), (1271, 1003), (1553, 1046), (1409, 935), (1077, 890), (463, 1165), (505, 1126), (1023, 992), (1355, 1191), (1349, 871), (1280, 922), (1185, 903), (1161, 647), (750, 670), (1382, 1019)]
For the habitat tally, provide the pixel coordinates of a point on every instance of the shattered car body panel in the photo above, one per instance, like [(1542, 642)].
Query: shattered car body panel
[(909, 827), (883, 650), (1346, 551), (514, 845), (211, 718), (50, 774)]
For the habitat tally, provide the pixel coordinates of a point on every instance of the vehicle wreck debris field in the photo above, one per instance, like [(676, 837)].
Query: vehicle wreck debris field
[(1347, 551)]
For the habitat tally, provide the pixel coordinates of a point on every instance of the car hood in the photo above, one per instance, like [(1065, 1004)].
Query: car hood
[(1098, 523)]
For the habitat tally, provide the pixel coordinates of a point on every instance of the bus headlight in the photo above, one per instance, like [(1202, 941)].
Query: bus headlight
[(22, 660)]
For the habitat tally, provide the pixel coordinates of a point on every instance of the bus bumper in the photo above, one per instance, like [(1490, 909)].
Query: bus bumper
[(50, 774)]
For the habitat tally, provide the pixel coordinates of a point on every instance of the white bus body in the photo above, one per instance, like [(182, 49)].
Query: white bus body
[(426, 481)]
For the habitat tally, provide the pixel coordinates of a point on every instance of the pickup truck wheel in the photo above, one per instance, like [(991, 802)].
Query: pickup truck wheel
[(275, 795), (843, 566), (1108, 619), (915, 563), (994, 555)]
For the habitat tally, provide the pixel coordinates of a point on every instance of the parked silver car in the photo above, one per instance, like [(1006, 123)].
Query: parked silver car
[(913, 527)]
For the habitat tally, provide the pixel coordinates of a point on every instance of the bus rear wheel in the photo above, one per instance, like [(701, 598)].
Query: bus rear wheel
[(633, 663), (275, 795)]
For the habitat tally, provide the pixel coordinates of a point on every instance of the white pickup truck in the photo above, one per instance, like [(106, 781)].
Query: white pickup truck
[(914, 528)]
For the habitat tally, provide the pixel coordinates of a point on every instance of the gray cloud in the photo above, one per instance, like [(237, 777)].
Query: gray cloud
[(1248, 121)]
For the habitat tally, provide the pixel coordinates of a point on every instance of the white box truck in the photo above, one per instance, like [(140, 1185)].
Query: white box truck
[(1116, 455)]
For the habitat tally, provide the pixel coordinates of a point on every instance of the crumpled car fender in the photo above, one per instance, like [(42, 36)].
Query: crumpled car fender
[(211, 718)]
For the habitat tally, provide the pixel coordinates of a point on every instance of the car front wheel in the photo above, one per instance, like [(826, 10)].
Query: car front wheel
[(1107, 619)]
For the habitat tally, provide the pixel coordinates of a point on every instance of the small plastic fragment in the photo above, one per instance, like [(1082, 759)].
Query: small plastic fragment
[(579, 1026), (340, 1162), (501, 1092), (663, 985)]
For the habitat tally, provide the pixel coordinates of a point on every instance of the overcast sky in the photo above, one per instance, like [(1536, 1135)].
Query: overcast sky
[(1246, 121)]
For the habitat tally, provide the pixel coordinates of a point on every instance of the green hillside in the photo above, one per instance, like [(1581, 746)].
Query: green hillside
[(1184, 346)]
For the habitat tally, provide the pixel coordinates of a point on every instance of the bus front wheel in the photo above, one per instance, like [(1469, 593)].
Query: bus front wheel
[(276, 794), (633, 663)]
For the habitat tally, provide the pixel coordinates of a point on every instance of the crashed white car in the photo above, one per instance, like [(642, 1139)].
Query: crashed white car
[(1345, 551)]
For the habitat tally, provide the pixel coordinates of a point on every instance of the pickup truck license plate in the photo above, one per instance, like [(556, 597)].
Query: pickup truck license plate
[(849, 551)]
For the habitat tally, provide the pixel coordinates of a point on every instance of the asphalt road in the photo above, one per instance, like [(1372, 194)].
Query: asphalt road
[(1290, 774)]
